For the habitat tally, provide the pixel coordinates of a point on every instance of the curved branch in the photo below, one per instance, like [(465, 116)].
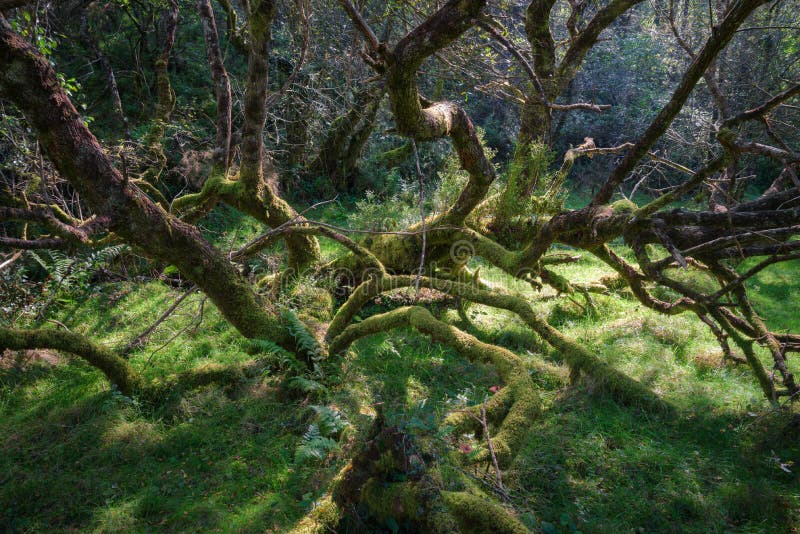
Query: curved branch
[(115, 368), (439, 119)]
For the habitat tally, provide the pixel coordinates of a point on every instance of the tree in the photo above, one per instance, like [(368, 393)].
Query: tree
[(673, 248)]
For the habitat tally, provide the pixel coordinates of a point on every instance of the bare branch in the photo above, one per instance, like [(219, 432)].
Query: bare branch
[(720, 36), (362, 25), (597, 108), (763, 109)]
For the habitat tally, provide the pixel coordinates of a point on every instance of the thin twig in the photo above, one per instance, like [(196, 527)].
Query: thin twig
[(422, 218), (14, 257), (484, 424), (141, 338), (181, 331)]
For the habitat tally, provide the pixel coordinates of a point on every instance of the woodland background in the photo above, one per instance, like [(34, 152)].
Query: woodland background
[(206, 417)]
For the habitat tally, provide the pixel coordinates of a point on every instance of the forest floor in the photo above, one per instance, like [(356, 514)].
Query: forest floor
[(76, 456)]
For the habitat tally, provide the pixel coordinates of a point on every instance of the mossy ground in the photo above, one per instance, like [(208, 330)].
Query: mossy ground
[(79, 457)]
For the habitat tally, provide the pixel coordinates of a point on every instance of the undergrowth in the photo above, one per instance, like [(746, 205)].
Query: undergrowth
[(79, 456)]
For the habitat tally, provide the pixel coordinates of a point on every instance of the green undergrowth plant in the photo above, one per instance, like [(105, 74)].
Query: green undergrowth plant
[(237, 459), (532, 187), (69, 273), (378, 214), (321, 437)]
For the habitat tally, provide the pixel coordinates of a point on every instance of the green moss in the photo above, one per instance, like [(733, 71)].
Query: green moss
[(322, 519), (623, 205), (314, 301), (516, 425), (399, 501), (477, 515)]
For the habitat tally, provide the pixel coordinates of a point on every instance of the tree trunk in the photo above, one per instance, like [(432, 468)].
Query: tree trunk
[(222, 87), (165, 103), (28, 80), (345, 140)]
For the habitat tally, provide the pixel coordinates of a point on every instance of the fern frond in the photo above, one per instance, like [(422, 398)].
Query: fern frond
[(314, 446), (283, 358), (306, 385), (306, 342), (330, 422)]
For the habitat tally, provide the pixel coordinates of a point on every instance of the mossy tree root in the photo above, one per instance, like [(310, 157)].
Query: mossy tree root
[(388, 482), (518, 394)]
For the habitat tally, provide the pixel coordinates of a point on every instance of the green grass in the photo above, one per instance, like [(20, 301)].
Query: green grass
[(79, 457)]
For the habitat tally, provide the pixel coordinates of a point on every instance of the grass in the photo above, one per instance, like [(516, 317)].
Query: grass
[(77, 456)]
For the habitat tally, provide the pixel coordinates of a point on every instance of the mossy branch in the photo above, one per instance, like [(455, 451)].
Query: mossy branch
[(112, 366), (620, 386)]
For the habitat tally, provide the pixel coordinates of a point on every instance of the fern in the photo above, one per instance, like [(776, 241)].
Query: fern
[(314, 446), (107, 254), (306, 342), (70, 272), (306, 385), (57, 264), (319, 439), (330, 422), (278, 356), (265, 346)]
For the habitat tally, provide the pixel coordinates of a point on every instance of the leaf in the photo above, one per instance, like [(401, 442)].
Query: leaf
[(306, 385)]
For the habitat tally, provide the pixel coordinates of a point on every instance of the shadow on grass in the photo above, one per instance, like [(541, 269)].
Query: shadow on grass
[(207, 463), (76, 457), (605, 468)]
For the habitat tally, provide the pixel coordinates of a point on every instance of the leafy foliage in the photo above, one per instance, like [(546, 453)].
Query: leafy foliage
[(319, 441), (283, 359), (314, 446)]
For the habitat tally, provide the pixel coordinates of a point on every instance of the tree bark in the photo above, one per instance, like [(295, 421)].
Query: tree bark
[(222, 87), (28, 80)]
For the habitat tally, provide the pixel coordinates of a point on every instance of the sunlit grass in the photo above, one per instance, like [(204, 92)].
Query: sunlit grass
[(78, 457)]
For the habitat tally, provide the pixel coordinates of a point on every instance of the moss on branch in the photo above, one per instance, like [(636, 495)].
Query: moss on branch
[(116, 370)]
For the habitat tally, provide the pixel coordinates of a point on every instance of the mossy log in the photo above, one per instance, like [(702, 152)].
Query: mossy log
[(390, 484)]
